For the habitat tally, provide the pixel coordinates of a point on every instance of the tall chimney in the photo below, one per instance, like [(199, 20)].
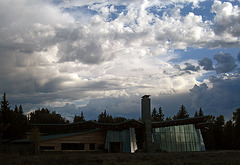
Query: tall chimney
[(146, 118)]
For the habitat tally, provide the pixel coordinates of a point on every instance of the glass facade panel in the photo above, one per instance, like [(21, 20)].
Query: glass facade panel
[(179, 138), (126, 138)]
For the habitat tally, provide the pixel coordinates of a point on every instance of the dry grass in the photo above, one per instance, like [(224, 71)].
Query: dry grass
[(69, 158)]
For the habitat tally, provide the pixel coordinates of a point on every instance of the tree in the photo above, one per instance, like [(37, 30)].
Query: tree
[(119, 119), (168, 118), (154, 115), (16, 109), (218, 132), (200, 112), (228, 135), (20, 109), (182, 113), (79, 118), (157, 116), (196, 114), (161, 115), (44, 116), (236, 119), (14, 123), (105, 118), (5, 109)]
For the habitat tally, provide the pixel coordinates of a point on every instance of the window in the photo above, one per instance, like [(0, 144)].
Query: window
[(72, 146), (91, 146), (46, 148)]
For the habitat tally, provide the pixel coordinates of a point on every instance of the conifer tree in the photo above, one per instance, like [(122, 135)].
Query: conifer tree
[(200, 113), (196, 114), (168, 118), (5, 109), (161, 115), (20, 109), (16, 109), (236, 119), (182, 113), (154, 115), (79, 118)]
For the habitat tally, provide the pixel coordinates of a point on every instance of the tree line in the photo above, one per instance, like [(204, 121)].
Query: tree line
[(220, 135)]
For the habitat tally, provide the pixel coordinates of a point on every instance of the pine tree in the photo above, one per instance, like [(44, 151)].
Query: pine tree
[(154, 115), (20, 109), (228, 134), (196, 114), (200, 113), (168, 118), (182, 113), (5, 109), (4, 103), (218, 132), (157, 116), (161, 115), (236, 119), (105, 118), (79, 118), (16, 109)]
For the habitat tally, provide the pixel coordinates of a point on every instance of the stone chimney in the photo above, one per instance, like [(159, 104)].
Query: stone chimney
[(146, 119)]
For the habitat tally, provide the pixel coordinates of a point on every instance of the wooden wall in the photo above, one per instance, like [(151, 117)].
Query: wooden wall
[(98, 138)]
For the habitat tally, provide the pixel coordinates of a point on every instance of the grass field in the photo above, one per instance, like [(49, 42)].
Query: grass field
[(69, 158)]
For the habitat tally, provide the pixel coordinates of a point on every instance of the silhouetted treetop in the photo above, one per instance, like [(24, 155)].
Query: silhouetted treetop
[(44, 116), (103, 117), (79, 118), (157, 116), (182, 113)]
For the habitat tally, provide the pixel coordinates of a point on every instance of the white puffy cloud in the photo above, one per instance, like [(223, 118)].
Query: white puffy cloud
[(226, 19)]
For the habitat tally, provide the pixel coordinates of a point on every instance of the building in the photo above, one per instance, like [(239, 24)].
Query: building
[(128, 136)]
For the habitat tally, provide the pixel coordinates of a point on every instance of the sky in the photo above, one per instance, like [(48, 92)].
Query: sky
[(95, 55)]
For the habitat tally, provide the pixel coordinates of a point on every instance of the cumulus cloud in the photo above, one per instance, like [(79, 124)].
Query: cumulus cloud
[(225, 63), (221, 98), (227, 18), (190, 67), (206, 63)]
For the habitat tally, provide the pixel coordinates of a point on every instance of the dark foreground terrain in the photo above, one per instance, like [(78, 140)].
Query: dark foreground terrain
[(191, 158)]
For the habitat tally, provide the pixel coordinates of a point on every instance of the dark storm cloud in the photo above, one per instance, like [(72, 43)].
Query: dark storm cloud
[(199, 95), (190, 67), (206, 63), (238, 57), (170, 104), (128, 107), (225, 63), (186, 70), (222, 98)]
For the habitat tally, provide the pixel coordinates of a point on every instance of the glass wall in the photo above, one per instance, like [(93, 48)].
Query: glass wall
[(127, 139), (179, 138)]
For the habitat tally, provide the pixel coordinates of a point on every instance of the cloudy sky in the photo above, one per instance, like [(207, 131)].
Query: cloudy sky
[(73, 56)]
